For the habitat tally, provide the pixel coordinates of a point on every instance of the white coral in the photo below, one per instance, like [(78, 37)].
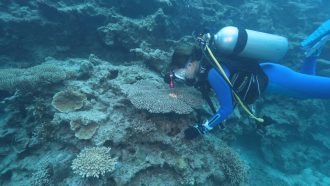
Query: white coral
[(94, 162)]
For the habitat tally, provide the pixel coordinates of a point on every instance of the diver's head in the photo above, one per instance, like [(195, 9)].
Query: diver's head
[(185, 64)]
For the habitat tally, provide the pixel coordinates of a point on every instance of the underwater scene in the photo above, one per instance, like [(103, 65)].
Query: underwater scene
[(164, 93)]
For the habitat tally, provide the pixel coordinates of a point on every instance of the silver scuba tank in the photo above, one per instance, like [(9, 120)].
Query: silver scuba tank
[(252, 44)]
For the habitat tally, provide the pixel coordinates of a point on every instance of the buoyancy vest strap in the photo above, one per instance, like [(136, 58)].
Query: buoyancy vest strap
[(246, 109)]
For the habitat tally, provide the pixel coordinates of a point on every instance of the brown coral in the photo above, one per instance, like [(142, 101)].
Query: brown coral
[(83, 131), (68, 100)]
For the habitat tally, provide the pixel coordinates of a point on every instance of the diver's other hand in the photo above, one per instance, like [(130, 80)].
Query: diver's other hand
[(193, 132), (267, 121)]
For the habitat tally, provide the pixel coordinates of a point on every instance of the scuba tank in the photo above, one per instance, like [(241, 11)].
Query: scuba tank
[(250, 44)]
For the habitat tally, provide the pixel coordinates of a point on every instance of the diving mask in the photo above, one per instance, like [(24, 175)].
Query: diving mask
[(182, 76), (180, 73)]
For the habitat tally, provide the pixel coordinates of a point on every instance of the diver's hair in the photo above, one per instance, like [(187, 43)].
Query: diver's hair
[(183, 53)]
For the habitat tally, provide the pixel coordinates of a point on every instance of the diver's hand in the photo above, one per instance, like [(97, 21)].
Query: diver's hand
[(267, 121), (193, 132)]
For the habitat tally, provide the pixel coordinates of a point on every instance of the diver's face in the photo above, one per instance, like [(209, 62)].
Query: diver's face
[(190, 71)]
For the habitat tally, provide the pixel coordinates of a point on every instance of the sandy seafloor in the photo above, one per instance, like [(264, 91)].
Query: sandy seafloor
[(83, 102)]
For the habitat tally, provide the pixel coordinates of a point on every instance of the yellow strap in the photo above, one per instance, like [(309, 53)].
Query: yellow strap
[(228, 81)]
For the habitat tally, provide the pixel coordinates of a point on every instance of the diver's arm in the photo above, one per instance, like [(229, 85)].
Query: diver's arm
[(225, 99), (224, 95)]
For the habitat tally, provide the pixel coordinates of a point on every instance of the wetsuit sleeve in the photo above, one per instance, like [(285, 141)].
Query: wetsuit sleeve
[(224, 96)]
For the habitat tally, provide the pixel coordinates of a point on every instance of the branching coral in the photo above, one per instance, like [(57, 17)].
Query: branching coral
[(43, 176), (158, 99), (94, 162), (234, 168)]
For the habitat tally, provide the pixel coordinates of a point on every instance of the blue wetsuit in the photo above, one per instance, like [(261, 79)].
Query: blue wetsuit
[(282, 80)]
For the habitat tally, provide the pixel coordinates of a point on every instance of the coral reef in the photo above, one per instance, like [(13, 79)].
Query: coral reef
[(121, 25), (109, 119), (124, 105), (293, 124)]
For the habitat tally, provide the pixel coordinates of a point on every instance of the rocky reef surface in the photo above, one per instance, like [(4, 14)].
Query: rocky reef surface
[(83, 101), (93, 109)]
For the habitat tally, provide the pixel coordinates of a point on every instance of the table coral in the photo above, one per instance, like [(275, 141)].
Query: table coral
[(31, 78), (156, 98)]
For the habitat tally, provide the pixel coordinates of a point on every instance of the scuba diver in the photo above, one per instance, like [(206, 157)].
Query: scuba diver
[(235, 73)]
